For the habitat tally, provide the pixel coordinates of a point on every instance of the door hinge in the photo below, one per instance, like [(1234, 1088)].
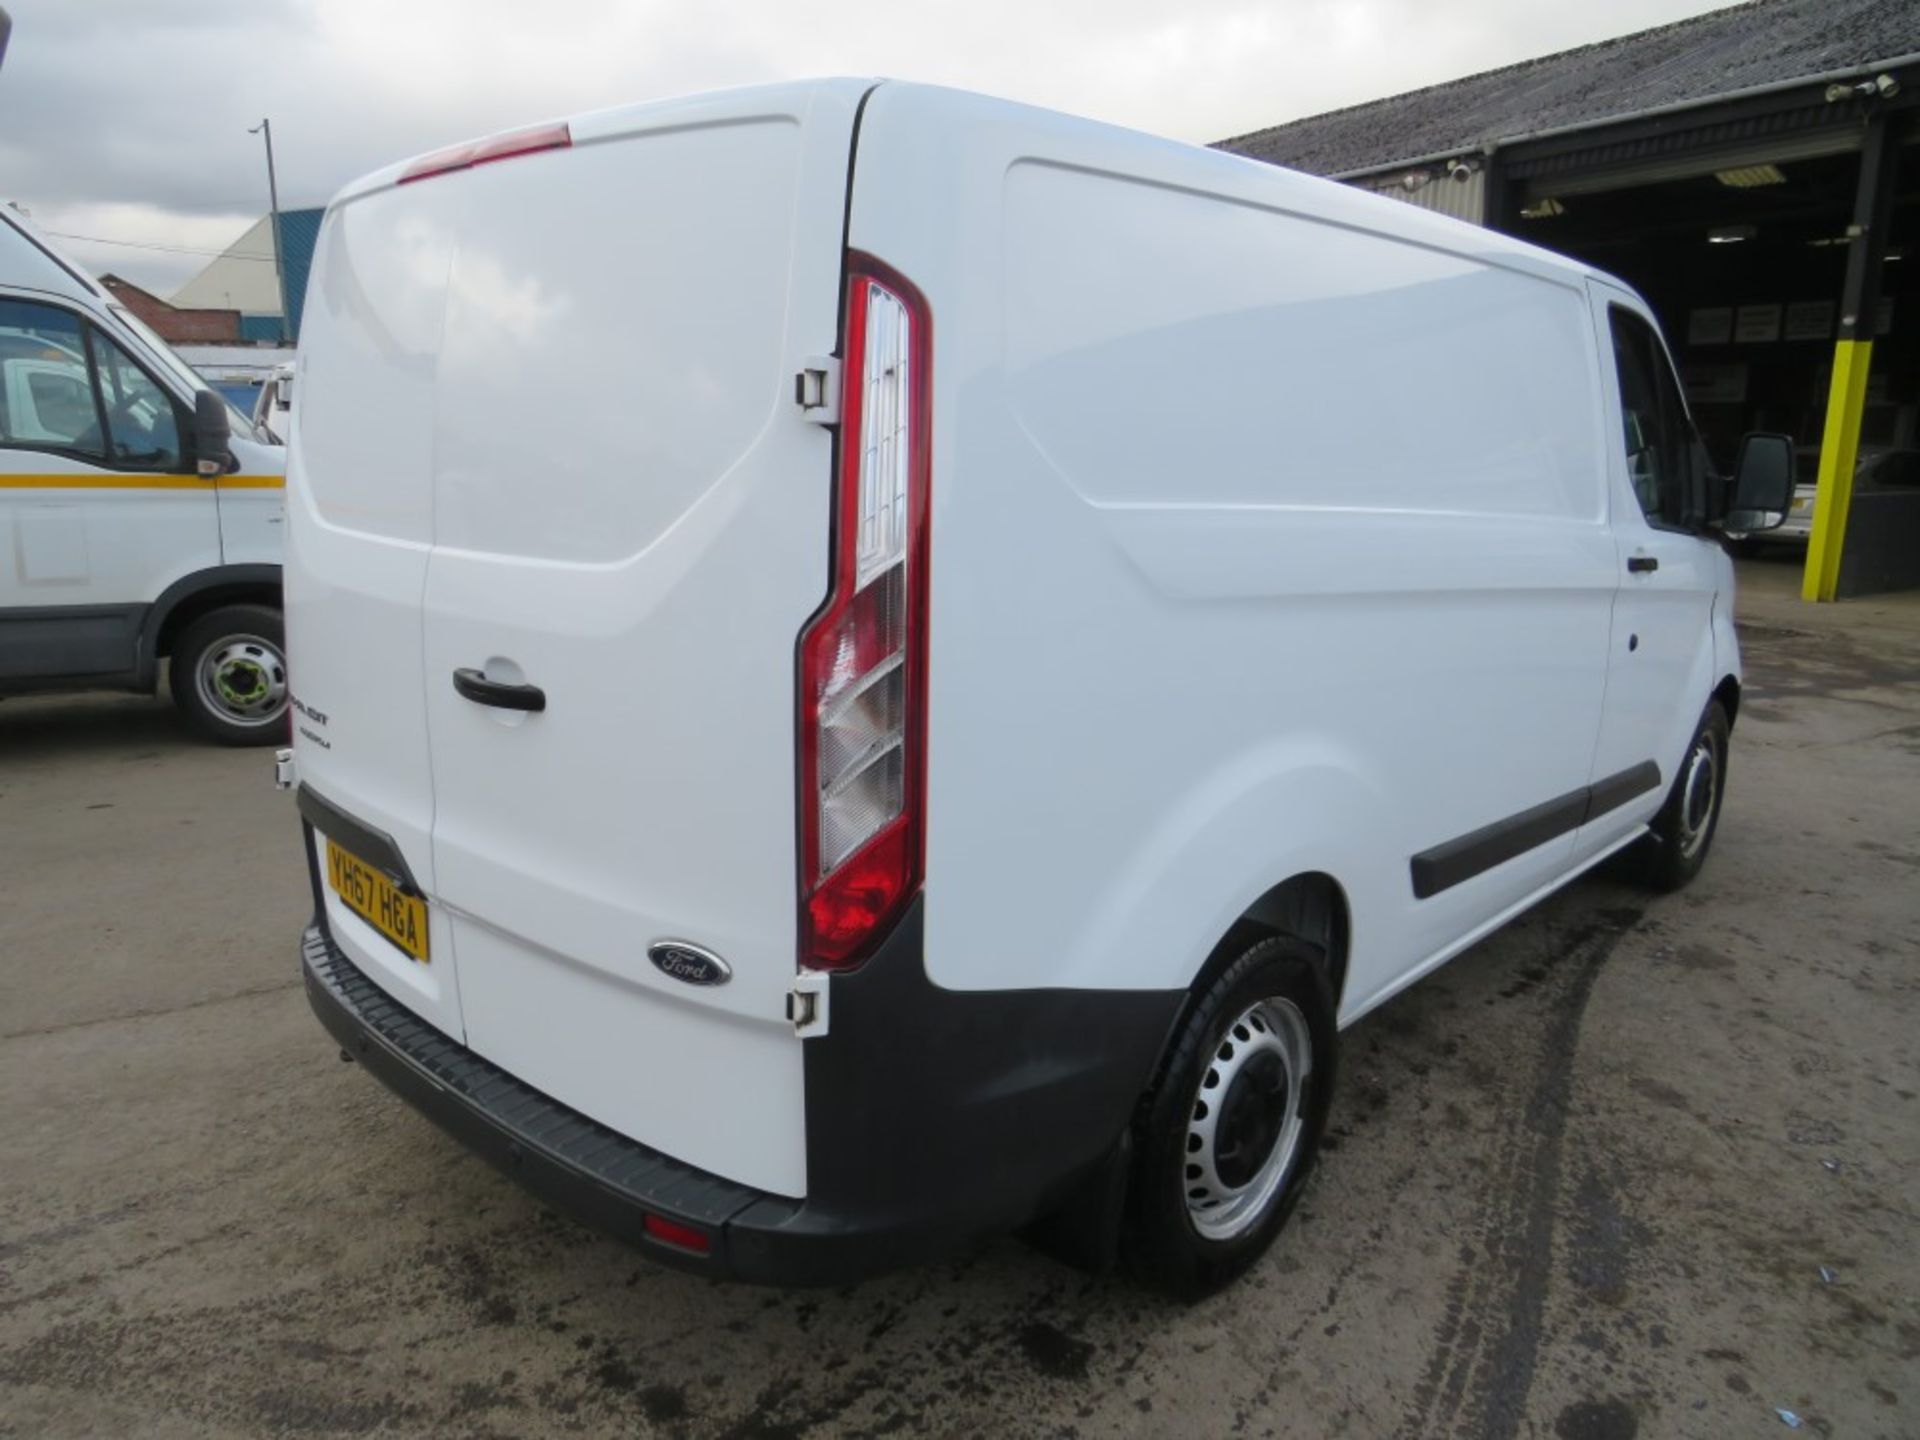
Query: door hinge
[(816, 389), (807, 1004)]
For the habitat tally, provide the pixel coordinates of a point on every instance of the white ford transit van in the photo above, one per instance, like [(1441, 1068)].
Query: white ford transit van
[(1045, 626), (140, 519)]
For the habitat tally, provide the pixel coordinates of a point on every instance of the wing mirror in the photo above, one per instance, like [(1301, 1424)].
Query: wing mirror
[(211, 434), (1762, 484)]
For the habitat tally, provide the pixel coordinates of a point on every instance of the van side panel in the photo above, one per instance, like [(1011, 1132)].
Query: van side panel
[(1328, 474)]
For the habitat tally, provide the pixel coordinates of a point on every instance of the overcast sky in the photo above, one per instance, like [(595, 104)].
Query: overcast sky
[(127, 119)]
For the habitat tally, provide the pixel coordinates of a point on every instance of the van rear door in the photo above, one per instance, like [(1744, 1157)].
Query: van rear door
[(359, 532), (631, 528)]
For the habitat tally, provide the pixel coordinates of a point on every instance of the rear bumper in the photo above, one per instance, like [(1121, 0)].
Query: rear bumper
[(566, 1159), (934, 1117)]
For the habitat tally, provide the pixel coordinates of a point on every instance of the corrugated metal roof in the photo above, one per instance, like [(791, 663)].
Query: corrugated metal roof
[(299, 232), (1765, 42), (1463, 200)]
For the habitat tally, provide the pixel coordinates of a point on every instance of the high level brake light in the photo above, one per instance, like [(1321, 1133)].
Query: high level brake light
[(863, 665), (480, 152)]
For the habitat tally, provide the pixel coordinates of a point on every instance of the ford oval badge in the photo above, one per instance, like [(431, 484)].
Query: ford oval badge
[(678, 960)]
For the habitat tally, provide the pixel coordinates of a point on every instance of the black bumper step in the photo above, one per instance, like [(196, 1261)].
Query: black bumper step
[(574, 1163)]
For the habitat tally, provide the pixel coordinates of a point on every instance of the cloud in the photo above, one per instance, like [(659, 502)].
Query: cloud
[(155, 246), (132, 116)]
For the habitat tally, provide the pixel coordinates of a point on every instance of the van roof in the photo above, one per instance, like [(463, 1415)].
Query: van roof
[(742, 102), (1172, 161)]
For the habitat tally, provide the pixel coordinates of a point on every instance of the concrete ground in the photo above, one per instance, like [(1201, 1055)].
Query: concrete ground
[(1581, 1183)]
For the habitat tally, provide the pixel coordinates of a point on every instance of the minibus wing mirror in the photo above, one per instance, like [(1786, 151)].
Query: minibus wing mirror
[(212, 436)]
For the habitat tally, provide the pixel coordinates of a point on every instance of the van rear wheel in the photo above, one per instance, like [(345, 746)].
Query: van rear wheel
[(1226, 1141), (229, 675)]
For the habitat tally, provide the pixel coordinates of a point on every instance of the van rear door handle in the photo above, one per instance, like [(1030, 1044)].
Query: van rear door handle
[(1641, 564), (498, 693)]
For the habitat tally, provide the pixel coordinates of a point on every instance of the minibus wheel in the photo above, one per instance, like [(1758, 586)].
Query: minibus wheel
[(1225, 1142), (1681, 834), (229, 675)]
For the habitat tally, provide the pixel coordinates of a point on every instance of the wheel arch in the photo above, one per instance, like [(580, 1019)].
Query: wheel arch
[(1727, 692), (1312, 906), (192, 596)]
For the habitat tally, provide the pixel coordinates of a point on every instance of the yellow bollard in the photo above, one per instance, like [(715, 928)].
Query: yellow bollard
[(1839, 449)]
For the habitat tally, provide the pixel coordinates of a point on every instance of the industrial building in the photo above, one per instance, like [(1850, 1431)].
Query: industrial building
[(1752, 172), (265, 283)]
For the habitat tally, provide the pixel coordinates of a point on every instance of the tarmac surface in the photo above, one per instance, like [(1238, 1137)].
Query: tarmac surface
[(1582, 1183)]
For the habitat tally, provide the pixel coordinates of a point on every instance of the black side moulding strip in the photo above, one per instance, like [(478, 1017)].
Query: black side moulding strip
[(1462, 858), (1616, 790)]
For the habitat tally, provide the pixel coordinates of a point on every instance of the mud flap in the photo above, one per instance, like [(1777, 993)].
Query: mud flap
[(1084, 1231)]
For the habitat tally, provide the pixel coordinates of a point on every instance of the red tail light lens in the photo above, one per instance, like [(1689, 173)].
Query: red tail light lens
[(863, 658), (479, 152), (672, 1232)]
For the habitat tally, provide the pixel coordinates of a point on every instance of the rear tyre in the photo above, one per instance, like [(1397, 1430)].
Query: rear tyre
[(1681, 834), (229, 675), (1225, 1143)]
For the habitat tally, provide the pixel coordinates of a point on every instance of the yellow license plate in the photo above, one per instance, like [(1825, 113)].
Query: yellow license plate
[(401, 917)]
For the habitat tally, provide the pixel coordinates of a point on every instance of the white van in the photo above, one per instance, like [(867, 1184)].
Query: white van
[(1049, 625), (140, 520)]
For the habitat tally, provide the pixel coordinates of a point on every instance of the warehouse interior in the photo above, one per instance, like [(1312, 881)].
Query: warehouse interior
[(1745, 255), (1745, 268)]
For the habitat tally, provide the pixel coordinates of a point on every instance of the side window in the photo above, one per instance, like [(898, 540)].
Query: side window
[(1659, 438), (61, 400), (143, 431), (46, 384)]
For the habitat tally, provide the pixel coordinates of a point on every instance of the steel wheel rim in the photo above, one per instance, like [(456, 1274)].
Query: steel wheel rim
[(243, 679), (1252, 1094), (1699, 794)]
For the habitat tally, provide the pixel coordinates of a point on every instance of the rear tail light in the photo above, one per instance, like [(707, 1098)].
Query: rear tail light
[(479, 152), (863, 658)]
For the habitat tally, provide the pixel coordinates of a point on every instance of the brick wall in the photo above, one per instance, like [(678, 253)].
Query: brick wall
[(174, 325)]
